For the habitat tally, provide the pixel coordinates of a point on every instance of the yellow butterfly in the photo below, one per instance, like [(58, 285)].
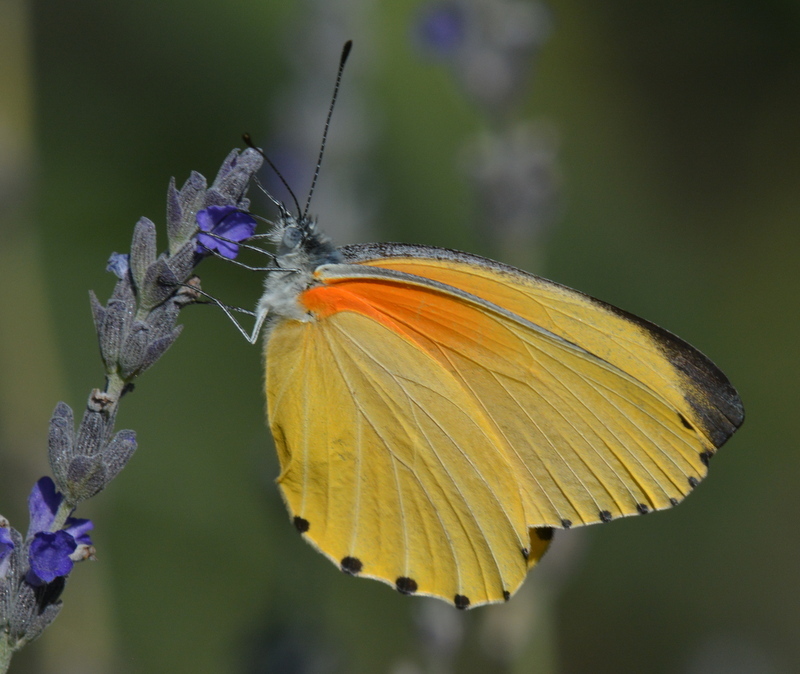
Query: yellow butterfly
[(438, 414)]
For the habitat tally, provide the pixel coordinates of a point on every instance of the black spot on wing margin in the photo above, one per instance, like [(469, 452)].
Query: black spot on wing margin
[(351, 565), (406, 585)]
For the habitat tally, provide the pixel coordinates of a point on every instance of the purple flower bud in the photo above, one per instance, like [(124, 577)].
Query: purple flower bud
[(49, 556), (490, 45), (6, 546), (43, 504), (119, 264), (223, 222)]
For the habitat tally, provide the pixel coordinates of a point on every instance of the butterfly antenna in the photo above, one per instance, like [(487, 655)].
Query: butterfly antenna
[(269, 196), (342, 60), (249, 142)]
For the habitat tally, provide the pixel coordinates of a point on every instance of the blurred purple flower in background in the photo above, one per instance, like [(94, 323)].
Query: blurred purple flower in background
[(348, 190), (490, 45), (225, 225), (441, 27), (516, 181), (491, 48)]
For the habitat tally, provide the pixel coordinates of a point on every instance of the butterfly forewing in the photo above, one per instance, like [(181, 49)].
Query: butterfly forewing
[(440, 413), (638, 347)]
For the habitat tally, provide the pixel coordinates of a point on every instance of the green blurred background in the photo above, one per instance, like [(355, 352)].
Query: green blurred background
[(678, 128)]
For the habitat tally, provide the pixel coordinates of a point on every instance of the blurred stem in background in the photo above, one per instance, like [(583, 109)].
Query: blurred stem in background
[(491, 48), (82, 641)]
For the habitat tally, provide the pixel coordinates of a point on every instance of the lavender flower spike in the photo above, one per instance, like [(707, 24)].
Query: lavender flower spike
[(134, 328)]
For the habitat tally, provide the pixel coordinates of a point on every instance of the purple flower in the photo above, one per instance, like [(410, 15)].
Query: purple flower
[(49, 556), (227, 222), (53, 553), (6, 546), (441, 27), (42, 505), (119, 264)]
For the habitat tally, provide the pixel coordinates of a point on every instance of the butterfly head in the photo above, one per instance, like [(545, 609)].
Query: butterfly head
[(301, 245)]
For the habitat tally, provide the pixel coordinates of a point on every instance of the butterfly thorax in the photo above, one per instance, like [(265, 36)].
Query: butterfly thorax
[(301, 248)]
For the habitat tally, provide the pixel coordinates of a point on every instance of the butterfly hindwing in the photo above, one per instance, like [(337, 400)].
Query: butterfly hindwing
[(382, 459)]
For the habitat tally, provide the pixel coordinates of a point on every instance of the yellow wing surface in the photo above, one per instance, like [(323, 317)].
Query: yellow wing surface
[(441, 413)]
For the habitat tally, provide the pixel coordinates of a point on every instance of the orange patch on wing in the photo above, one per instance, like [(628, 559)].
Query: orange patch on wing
[(329, 299), (424, 316)]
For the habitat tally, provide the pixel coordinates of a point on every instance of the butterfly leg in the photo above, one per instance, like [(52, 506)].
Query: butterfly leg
[(251, 337)]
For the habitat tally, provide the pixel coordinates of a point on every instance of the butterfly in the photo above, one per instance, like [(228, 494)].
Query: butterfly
[(437, 415)]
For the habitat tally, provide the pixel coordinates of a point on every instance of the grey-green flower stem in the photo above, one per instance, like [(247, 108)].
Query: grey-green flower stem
[(6, 651)]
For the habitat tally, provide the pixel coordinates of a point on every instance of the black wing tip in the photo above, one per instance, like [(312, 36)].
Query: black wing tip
[(718, 406)]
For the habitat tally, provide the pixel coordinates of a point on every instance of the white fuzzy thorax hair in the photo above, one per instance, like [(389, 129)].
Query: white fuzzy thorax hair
[(301, 248)]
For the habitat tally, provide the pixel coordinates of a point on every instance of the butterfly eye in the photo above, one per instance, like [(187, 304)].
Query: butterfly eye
[(292, 236)]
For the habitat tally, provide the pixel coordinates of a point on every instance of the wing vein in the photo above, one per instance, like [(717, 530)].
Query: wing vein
[(431, 445), (386, 397)]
